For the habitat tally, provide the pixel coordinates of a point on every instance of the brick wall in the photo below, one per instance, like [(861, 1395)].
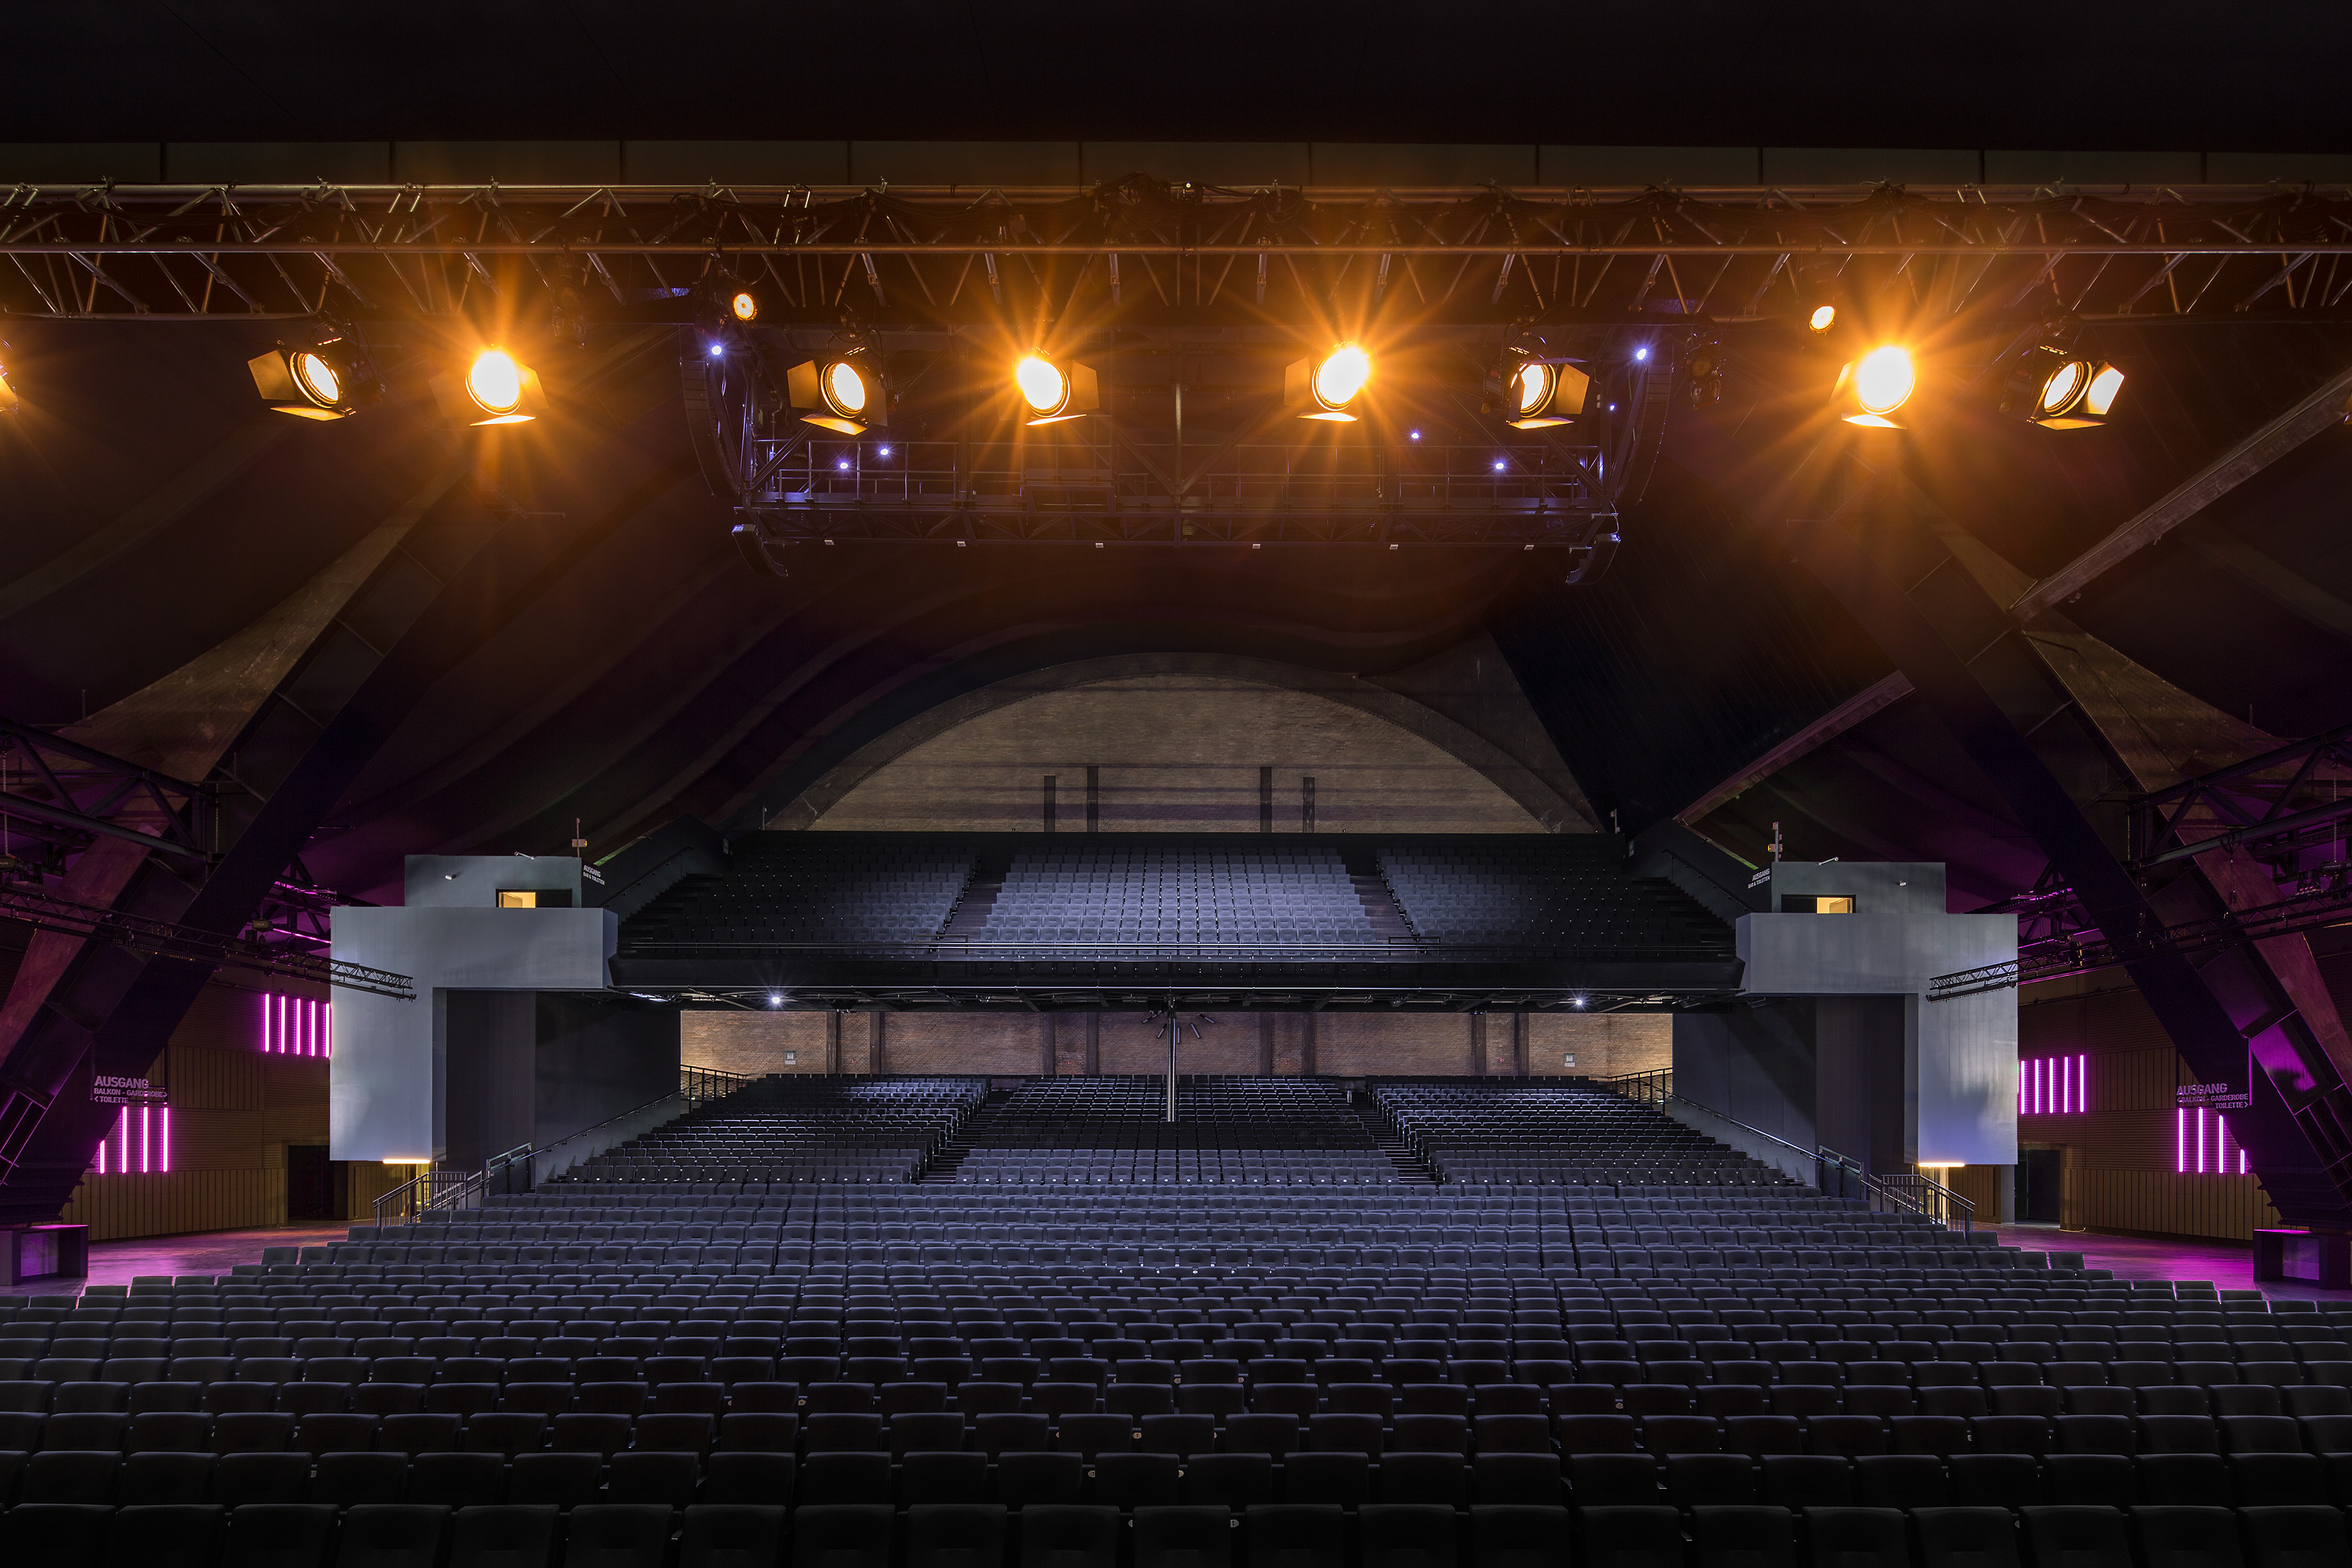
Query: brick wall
[(1603, 1045), (754, 1043), (1345, 1043)]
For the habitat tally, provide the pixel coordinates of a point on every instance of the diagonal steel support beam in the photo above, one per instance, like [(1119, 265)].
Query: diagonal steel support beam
[(1978, 673), (2320, 409)]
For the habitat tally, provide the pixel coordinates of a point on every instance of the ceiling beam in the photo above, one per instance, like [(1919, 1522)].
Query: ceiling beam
[(2318, 410), (1828, 727)]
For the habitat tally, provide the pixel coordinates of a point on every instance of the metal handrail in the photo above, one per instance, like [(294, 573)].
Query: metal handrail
[(444, 1188), (700, 1086), (1906, 1193), (697, 1087), (1655, 1087)]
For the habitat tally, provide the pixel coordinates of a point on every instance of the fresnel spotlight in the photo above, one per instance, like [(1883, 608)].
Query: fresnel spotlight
[(842, 391), (2059, 388), (494, 388), (1330, 388), (1532, 393), (1053, 390), (1872, 391), (328, 380)]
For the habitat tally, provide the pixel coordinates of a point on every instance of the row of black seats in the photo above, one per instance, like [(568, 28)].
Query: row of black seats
[(982, 1535), (567, 1480)]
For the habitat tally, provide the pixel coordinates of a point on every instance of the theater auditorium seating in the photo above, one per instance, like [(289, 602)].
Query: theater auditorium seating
[(1130, 893), (814, 888), (1090, 1373), (1524, 1130), (1550, 893), (1293, 1133), (800, 1129)]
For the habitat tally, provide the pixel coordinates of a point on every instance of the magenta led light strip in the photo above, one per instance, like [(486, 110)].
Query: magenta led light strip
[(297, 1026), (2054, 1086), (2188, 1144), (138, 1145)]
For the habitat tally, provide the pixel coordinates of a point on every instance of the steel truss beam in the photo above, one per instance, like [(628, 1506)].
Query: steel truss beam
[(2286, 808), (167, 939), (2054, 959), (59, 793), (158, 251), (57, 796)]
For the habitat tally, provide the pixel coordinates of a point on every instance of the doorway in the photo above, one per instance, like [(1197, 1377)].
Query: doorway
[(317, 1188), (2041, 1184)]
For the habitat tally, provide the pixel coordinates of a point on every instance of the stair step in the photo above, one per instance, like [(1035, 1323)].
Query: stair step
[(978, 899)]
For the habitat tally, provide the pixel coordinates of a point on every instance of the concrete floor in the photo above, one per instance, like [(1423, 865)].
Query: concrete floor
[(2222, 1264), (210, 1252)]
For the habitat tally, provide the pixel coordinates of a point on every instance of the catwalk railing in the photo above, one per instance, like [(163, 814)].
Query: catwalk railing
[(44, 910), (971, 254), (1124, 491)]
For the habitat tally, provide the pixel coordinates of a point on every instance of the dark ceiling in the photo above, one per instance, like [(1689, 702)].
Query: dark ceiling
[(2167, 76)]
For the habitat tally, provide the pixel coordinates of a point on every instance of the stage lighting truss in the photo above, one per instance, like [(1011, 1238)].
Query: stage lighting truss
[(956, 259), (493, 387), (326, 378), (976, 458), (2058, 386)]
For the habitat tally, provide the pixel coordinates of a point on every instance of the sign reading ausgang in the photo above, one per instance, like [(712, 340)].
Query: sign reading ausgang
[(2212, 1096), (110, 1090)]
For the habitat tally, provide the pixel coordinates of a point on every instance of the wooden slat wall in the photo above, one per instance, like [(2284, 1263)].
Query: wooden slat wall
[(370, 1183), (2120, 1173), (172, 1203), (1980, 1185)]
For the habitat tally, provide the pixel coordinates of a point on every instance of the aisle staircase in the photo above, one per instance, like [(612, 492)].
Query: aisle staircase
[(941, 1167), (1411, 1167), (1388, 921), (968, 919)]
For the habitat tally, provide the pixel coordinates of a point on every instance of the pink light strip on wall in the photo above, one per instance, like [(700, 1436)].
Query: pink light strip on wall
[(296, 1027), (143, 1151), (2054, 1086)]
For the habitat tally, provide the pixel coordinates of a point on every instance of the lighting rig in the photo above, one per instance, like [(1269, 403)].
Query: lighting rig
[(1118, 435), (1137, 363)]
